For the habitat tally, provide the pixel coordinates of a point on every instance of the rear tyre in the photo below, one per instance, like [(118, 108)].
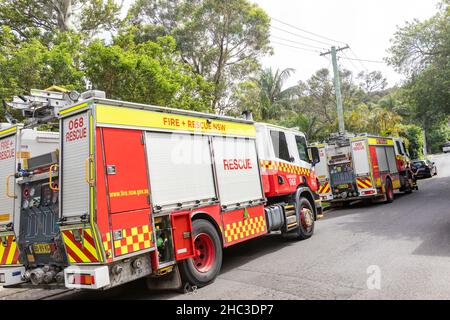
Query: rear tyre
[(205, 266), (409, 186), (389, 191), (306, 224)]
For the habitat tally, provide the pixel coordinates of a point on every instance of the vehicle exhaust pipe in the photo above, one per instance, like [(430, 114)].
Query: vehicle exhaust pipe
[(37, 276), (60, 277), (49, 276)]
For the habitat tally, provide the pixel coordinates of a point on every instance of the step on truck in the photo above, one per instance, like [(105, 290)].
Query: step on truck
[(32, 253), (363, 167), (157, 193)]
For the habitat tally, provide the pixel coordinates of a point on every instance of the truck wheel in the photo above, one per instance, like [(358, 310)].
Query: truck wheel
[(389, 191), (306, 226), (409, 185), (205, 266)]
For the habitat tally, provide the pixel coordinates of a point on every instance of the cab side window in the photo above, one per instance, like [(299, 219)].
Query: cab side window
[(280, 145), (302, 148), (399, 148)]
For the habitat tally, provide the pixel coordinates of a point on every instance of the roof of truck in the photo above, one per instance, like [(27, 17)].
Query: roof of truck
[(141, 106), (263, 124)]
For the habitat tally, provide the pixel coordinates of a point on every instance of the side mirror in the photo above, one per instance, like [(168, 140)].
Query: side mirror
[(315, 157)]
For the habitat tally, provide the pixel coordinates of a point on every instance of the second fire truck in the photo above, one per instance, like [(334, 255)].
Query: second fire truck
[(363, 167)]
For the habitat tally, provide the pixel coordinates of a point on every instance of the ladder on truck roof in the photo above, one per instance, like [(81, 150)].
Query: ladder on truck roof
[(43, 106)]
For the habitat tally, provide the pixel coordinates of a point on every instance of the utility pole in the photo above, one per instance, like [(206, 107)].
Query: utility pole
[(337, 86)]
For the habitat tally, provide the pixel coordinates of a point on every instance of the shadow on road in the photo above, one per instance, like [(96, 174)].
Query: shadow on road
[(424, 215), (234, 257)]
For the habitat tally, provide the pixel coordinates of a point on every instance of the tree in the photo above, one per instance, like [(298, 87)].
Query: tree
[(29, 18), (414, 138), (147, 73), (33, 65), (421, 50), (273, 97), (372, 82), (220, 40)]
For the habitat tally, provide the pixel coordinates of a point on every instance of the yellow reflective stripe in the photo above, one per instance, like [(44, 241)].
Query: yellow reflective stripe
[(9, 130), (12, 251), (381, 141), (74, 108), (91, 189), (2, 251), (75, 249), (111, 115), (88, 246)]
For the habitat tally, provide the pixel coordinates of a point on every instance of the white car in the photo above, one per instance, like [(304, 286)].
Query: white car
[(446, 147)]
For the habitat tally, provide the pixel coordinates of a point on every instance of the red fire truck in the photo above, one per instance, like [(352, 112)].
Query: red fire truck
[(363, 167), (147, 191)]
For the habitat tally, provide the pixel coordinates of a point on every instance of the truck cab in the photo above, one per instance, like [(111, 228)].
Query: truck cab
[(286, 161)]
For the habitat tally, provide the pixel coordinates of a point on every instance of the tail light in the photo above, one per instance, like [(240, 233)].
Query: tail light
[(84, 279)]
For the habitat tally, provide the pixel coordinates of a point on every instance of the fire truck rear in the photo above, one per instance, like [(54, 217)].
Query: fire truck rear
[(31, 248), (153, 192), (363, 167)]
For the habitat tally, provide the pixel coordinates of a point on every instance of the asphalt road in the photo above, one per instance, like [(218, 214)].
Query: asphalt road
[(402, 248)]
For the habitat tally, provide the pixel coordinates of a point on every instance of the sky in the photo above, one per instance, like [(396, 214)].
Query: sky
[(365, 25)]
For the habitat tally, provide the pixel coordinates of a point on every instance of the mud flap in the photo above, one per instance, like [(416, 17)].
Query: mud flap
[(170, 281)]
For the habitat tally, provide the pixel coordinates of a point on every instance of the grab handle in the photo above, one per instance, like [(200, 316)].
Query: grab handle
[(89, 180), (50, 178), (8, 191)]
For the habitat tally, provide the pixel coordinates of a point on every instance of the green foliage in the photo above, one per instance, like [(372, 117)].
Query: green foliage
[(414, 138), (438, 137), (220, 40), (421, 50), (33, 65), (147, 73), (30, 19)]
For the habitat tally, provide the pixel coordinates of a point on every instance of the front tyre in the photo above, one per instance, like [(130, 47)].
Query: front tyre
[(306, 224), (205, 266)]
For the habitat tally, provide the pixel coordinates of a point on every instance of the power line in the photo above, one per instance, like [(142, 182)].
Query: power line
[(371, 61), (306, 31), (294, 47), (358, 70), (296, 42), (300, 36), (360, 62)]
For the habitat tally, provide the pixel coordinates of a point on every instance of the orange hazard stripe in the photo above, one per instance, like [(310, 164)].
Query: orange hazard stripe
[(79, 252), (9, 254), (325, 188), (364, 183)]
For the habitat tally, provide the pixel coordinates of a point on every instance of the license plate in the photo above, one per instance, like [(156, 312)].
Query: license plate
[(41, 248), (343, 186)]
